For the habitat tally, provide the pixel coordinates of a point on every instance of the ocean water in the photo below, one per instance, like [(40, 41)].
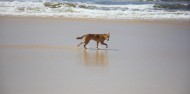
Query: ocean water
[(101, 9)]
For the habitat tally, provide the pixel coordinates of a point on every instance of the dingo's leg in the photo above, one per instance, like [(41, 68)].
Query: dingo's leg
[(85, 45), (104, 44), (80, 43), (86, 42), (97, 44)]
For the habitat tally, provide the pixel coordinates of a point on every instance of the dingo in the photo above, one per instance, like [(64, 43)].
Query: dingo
[(96, 37)]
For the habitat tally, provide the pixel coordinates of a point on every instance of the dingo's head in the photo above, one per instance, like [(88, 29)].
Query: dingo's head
[(107, 36)]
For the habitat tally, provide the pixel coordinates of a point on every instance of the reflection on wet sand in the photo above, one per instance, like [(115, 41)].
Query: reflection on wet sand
[(55, 47), (95, 57)]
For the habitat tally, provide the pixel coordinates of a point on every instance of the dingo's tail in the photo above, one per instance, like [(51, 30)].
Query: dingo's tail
[(81, 37)]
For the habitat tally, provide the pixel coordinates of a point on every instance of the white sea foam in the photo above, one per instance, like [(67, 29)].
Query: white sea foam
[(84, 10)]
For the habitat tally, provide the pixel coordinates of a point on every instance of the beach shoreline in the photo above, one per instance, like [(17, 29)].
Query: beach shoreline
[(167, 21), (39, 55)]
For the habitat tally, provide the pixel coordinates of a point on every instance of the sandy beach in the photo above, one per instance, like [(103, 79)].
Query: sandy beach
[(38, 55)]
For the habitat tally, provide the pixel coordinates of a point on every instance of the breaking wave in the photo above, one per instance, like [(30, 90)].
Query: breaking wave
[(92, 10)]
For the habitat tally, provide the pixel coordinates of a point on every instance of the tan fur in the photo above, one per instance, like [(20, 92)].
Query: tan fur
[(99, 38)]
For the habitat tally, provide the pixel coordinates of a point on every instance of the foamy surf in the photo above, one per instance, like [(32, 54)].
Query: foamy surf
[(90, 10)]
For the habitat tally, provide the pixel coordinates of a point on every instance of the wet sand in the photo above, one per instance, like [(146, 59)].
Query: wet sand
[(39, 56)]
